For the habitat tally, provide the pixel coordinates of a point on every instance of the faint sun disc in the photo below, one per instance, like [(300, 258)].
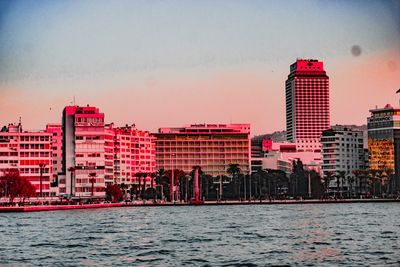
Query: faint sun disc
[(356, 50)]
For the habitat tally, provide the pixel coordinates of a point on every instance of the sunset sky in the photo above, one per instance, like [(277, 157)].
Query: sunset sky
[(170, 63)]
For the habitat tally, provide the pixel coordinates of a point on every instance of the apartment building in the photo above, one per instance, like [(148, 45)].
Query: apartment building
[(30, 152), (342, 151), (128, 151), (83, 165)]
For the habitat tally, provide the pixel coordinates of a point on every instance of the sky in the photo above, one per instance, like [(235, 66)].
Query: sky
[(171, 63)]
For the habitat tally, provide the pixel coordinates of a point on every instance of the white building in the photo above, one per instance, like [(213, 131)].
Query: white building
[(342, 150)]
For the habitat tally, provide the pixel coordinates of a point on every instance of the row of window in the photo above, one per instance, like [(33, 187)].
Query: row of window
[(89, 120), (8, 161), (33, 170), (8, 154), (35, 154), (89, 155), (34, 162), (35, 138), (34, 146)]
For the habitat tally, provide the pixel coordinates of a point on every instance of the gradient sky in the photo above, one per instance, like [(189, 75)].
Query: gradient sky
[(169, 63)]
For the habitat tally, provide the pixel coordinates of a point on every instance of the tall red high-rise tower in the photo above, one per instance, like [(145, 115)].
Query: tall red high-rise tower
[(307, 103)]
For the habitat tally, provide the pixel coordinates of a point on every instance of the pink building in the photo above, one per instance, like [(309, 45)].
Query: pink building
[(83, 152), (56, 146), (307, 103), (128, 151), (26, 151), (211, 146)]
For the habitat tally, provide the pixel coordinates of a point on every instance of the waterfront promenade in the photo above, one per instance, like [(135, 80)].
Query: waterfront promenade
[(36, 208)]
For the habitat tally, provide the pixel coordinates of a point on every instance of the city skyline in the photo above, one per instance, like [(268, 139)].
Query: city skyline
[(234, 66)]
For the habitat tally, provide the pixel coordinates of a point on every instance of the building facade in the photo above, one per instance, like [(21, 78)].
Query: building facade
[(280, 156), (307, 103), (56, 146), (342, 151), (30, 152), (211, 146), (83, 163), (384, 142), (128, 151)]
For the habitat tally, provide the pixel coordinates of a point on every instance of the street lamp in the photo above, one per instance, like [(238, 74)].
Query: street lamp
[(250, 185), (172, 189), (41, 166), (244, 180)]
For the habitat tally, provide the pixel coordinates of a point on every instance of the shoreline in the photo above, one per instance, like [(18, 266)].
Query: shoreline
[(169, 204)]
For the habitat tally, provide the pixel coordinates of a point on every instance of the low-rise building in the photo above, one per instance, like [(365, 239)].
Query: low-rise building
[(30, 152), (211, 146)]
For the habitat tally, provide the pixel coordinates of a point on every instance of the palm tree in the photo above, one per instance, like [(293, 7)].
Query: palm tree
[(361, 177), (92, 179), (382, 179), (234, 171), (351, 180), (139, 176), (144, 175), (207, 180), (389, 173), (159, 174), (340, 176), (372, 177), (152, 175), (357, 180), (123, 186), (72, 172), (327, 180), (177, 174)]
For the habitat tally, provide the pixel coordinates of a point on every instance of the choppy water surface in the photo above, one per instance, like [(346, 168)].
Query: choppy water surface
[(314, 235)]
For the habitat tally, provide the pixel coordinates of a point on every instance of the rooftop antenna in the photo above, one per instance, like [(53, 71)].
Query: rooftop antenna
[(398, 91), (74, 101), (20, 125)]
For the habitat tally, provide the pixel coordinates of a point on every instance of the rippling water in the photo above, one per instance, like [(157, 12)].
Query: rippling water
[(296, 235)]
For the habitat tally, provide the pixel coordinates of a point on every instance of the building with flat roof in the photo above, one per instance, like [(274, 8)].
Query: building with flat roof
[(55, 130), (211, 146), (30, 152), (128, 151), (83, 152), (307, 103), (384, 142), (342, 151)]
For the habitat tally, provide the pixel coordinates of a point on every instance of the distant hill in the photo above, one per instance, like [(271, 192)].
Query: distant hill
[(278, 136)]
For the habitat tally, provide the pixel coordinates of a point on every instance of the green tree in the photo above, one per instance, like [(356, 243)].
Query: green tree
[(114, 192), (340, 177), (12, 185), (234, 170)]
